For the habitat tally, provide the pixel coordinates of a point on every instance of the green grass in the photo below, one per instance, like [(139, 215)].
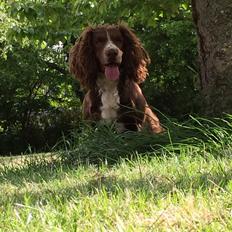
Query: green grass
[(102, 181)]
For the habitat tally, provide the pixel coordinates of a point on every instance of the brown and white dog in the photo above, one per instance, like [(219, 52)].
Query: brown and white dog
[(110, 63)]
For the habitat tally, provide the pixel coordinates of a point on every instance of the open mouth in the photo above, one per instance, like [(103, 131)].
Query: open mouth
[(112, 71), (111, 64)]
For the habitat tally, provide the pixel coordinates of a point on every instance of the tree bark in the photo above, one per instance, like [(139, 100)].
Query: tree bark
[(213, 19)]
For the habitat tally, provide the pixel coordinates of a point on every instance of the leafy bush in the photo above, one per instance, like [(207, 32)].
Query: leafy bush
[(173, 84), (35, 99)]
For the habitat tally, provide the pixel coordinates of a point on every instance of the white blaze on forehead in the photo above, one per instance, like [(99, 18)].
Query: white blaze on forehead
[(110, 44)]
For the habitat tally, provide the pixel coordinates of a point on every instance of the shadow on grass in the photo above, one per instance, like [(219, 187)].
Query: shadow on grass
[(34, 172), (150, 186)]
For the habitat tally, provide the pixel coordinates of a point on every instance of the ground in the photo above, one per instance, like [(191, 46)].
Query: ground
[(169, 192), (99, 180)]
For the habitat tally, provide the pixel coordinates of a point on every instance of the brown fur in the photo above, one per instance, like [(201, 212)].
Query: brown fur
[(82, 61), (134, 111)]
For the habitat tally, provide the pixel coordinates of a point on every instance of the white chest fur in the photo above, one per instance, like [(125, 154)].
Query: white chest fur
[(110, 99)]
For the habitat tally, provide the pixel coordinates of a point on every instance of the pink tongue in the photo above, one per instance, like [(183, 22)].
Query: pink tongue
[(112, 72)]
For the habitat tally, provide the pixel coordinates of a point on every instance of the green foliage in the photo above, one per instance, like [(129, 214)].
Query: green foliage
[(35, 37), (37, 101), (35, 96), (173, 83)]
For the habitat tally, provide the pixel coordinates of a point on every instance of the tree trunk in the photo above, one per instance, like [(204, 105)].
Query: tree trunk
[(213, 19)]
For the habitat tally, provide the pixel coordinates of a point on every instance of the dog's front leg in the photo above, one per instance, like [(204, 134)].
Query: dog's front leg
[(146, 117)]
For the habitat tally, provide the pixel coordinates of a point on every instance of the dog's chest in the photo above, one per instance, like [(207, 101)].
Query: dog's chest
[(109, 98)]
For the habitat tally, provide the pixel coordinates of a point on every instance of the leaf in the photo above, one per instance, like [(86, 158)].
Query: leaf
[(43, 45)]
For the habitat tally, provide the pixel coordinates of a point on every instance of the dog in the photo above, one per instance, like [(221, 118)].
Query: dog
[(110, 63)]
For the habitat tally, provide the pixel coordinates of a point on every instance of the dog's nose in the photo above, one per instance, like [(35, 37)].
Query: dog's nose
[(112, 52)]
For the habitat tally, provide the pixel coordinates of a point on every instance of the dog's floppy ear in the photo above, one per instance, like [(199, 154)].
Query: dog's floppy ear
[(135, 57), (82, 60)]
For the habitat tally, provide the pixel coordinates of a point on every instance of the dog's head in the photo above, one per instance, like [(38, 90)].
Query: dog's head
[(109, 49)]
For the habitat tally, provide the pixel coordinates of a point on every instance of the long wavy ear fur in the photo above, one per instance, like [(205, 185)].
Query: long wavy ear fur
[(82, 60), (135, 57)]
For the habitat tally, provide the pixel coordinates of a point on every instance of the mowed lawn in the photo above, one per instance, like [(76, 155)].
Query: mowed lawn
[(184, 193), (183, 188)]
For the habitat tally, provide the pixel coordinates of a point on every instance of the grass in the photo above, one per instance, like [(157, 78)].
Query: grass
[(102, 181)]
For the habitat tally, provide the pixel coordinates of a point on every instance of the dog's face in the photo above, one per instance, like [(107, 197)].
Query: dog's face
[(109, 49), (108, 46)]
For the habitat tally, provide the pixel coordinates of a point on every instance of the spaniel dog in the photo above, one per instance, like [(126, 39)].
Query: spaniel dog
[(110, 63)]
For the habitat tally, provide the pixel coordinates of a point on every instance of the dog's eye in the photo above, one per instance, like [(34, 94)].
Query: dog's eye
[(100, 40), (118, 39)]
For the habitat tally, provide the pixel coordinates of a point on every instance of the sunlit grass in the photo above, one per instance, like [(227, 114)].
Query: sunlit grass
[(179, 181)]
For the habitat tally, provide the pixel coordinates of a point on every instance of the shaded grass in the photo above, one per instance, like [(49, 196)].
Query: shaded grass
[(179, 181), (103, 143)]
